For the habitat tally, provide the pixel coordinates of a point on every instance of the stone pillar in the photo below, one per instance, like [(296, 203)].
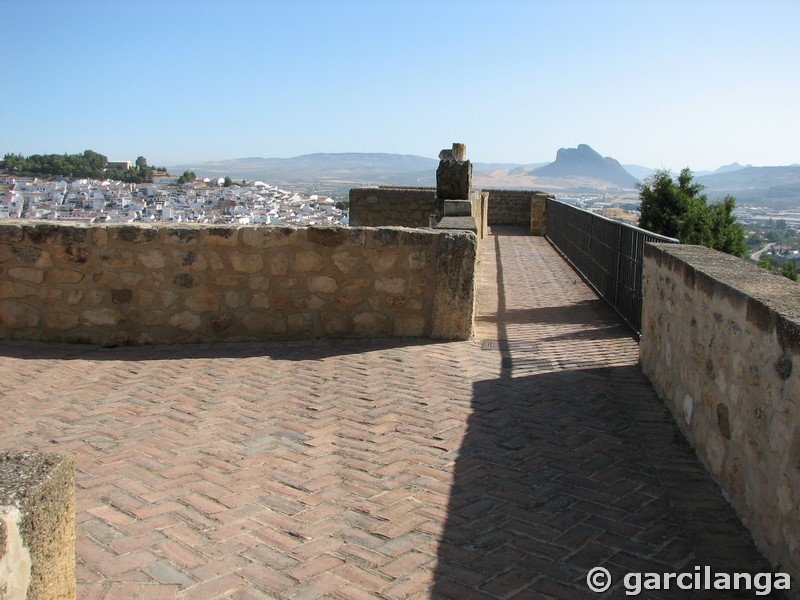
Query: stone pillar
[(37, 526), (454, 175)]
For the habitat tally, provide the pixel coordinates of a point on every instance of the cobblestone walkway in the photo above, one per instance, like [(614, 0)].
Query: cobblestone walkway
[(504, 467)]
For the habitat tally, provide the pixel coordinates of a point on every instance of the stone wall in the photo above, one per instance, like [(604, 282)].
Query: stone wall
[(539, 214), (511, 207), (721, 345), (37, 526), (393, 206), (123, 284)]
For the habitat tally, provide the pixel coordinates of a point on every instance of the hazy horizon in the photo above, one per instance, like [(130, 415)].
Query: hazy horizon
[(658, 84)]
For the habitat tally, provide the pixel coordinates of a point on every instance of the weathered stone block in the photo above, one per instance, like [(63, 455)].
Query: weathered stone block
[(183, 236), (308, 260), (382, 260), (259, 282), (345, 261), (268, 237), (15, 289), (334, 323), (228, 280), (123, 296), (117, 258), (390, 285), (27, 274), (260, 300), (300, 325), (186, 320), (321, 284), (64, 276), (263, 322), (154, 258), (202, 302), (370, 324), (224, 237), (101, 317), (408, 325), (31, 255), (37, 517), (247, 263), (16, 315), (190, 260), (61, 320), (279, 263), (309, 301), (49, 294)]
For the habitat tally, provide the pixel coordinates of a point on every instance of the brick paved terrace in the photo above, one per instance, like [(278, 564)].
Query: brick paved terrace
[(503, 467)]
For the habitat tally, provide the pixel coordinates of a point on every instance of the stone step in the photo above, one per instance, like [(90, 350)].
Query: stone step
[(457, 208)]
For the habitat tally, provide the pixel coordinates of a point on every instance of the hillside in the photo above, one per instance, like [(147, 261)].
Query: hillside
[(774, 187), (584, 163)]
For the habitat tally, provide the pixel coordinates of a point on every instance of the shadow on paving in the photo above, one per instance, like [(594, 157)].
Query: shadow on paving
[(294, 350), (562, 472)]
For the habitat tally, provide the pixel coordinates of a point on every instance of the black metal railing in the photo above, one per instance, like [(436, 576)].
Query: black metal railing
[(608, 254)]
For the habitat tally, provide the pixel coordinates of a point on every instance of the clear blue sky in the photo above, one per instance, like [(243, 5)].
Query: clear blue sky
[(694, 83)]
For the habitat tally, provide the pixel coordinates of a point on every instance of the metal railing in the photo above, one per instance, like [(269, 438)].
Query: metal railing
[(607, 253)]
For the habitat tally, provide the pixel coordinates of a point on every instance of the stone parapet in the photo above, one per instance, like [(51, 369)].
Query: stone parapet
[(514, 207), (37, 526), (392, 206), (136, 284), (721, 345)]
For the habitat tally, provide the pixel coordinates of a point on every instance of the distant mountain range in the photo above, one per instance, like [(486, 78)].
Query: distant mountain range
[(578, 169)]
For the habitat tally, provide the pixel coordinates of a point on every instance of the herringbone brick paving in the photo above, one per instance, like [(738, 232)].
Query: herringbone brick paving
[(504, 467)]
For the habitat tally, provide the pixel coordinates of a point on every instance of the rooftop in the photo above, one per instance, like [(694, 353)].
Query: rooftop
[(503, 467)]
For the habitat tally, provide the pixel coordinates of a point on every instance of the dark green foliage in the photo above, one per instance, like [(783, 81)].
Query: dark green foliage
[(679, 209), (788, 270), (228, 182), (90, 165), (187, 177)]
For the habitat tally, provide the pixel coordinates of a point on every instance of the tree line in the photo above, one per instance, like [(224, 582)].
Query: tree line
[(89, 165)]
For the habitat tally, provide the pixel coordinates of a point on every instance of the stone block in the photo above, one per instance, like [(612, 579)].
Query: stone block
[(382, 260), (308, 261), (268, 237), (371, 324), (15, 289), (390, 285), (64, 276), (279, 264), (117, 258), (300, 325), (101, 317), (61, 320), (321, 284), (264, 322), (154, 258), (409, 325), (34, 256), (247, 263), (224, 237), (16, 315), (27, 274), (37, 515), (202, 302), (186, 320), (335, 324), (345, 261)]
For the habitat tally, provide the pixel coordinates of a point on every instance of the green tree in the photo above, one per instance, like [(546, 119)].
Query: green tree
[(187, 177), (789, 270), (678, 208), (141, 162), (228, 182)]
